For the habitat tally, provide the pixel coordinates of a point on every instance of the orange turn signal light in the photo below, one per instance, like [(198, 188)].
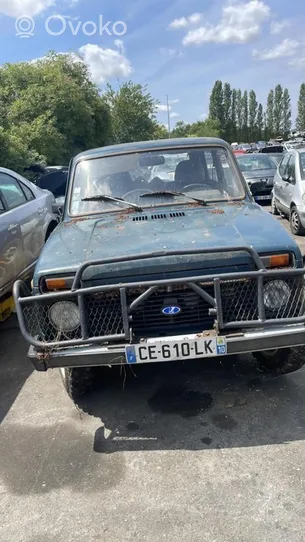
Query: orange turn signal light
[(56, 284), (279, 260)]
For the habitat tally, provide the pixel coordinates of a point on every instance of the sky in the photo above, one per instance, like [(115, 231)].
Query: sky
[(177, 48)]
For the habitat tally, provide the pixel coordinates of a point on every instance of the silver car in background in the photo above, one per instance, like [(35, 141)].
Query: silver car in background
[(289, 190), (26, 221), (259, 170)]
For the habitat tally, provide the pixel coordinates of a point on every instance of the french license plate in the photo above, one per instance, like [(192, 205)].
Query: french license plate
[(258, 198), (173, 350)]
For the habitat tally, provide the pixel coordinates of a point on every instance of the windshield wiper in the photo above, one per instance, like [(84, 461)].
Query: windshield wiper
[(111, 199), (170, 193)]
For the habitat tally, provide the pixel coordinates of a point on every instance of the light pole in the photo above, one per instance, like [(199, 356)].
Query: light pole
[(168, 117)]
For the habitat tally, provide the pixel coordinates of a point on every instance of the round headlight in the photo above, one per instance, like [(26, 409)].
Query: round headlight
[(65, 316), (276, 294)]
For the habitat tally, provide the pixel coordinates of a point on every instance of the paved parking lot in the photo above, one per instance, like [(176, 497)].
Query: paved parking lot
[(176, 452)]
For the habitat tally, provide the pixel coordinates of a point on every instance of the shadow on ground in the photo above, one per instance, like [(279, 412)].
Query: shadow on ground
[(15, 368), (195, 405)]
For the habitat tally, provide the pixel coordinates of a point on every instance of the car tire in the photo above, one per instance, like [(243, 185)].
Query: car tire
[(295, 222), (77, 381), (274, 209), (282, 361)]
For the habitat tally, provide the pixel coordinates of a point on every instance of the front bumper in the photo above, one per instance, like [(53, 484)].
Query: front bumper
[(94, 356), (231, 305)]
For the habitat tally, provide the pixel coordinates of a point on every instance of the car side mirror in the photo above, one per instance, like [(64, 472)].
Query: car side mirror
[(286, 178)]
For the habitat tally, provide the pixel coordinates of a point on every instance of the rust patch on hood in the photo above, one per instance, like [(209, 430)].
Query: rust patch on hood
[(217, 211)]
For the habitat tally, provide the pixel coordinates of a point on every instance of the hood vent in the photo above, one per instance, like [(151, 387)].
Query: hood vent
[(159, 216)]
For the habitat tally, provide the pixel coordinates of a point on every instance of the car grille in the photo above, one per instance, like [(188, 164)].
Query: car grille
[(193, 317)]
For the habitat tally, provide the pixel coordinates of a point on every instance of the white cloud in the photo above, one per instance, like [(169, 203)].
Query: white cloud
[(105, 64), (167, 52), (184, 22), (298, 62), (174, 115), (277, 27), (203, 116), (161, 108), (175, 101), (284, 49), (240, 23), (27, 8)]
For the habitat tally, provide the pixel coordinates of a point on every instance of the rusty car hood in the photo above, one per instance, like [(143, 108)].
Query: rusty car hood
[(123, 234)]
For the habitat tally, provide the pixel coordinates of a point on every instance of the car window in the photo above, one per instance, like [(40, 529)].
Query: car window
[(28, 192), (302, 165), (2, 208), (255, 162), (11, 191), (291, 167), (284, 164), (207, 173)]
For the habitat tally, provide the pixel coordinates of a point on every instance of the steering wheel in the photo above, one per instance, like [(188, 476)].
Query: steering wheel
[(143, 190)]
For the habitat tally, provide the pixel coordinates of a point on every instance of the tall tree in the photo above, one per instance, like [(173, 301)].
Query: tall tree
[(286, 114), (233, 115), (252, 115), (216, 110), (245, 116), (259, 123), (227, 110), (278, 109), (133, 113), (239, 108), (300, 123), (270, 116), (51, 109)]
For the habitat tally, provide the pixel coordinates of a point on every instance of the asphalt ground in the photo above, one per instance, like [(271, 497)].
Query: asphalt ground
[(196, 451)]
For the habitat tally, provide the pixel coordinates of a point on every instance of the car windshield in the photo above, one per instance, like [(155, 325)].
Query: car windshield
[(206, 173), (302, 165), (254, 162)]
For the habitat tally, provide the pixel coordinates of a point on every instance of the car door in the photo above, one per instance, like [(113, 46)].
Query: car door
[(278, 183), (12, 261), (27, 212), (289, 184)]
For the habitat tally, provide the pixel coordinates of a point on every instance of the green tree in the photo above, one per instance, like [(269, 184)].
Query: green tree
[(233, 116), (270, 131), (239, 108), (160, 132), (259, 123), (244, 116), (216, 109), (278, 110), (300, 123), (133, 113), (52, 107), (227, 111), (206, 128), (286, 114), (181, 129), (253, 105)]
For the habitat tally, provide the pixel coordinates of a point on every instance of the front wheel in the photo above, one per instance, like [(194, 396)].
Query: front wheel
[(295, 222), (281, 362), (77, 381)]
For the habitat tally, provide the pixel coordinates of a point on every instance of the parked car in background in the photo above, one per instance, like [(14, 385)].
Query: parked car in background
[(26, 221), (276, 157), (288, 197), (258, 170), (146, 273)]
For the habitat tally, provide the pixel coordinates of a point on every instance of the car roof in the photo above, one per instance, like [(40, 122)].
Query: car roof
[(142, 146)]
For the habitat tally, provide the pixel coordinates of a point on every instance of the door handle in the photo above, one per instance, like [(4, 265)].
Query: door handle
[(13, 228), (40, 211)]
